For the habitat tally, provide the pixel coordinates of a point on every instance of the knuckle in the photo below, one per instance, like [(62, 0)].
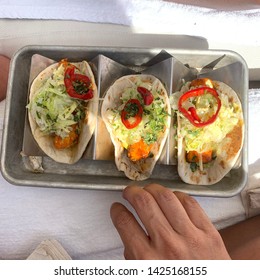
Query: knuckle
[(190, 201), (143, 199), (167, 195)]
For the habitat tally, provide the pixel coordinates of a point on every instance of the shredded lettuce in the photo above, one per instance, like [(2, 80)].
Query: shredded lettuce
[(153, 121), (53, 109), (208, 137)]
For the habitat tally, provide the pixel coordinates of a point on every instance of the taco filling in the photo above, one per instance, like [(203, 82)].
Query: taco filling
[(56, 112), (136, 125)]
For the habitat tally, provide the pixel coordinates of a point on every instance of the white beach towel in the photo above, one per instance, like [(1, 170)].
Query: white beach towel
[(144, 16)]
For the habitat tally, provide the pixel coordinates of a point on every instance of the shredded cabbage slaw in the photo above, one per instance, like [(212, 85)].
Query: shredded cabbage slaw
[(154, 118), (207, 138), (53, 109)]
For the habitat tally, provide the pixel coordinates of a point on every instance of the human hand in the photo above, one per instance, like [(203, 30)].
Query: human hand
[(4, 71), (176, 227)]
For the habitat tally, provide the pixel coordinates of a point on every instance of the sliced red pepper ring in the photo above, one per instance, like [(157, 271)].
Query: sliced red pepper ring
[(191, 113), (132, 113), (146, 94), (83, 91), (194, 114)]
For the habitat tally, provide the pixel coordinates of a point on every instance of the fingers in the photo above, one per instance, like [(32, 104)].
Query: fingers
[(177, 209), (194, 211), (132, 234), (171, 207), (149, 212)]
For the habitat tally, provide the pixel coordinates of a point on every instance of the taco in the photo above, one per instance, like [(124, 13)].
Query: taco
[(62, 110), (136, 112), (210, 130)]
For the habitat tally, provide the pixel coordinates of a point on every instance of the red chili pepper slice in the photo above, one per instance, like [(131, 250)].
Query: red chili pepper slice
[(132, 113), (194, 114), (191, 113), (146, 94), (77, 85)]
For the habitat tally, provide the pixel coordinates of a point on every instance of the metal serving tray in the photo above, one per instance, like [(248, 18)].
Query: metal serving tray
[(23, 163)]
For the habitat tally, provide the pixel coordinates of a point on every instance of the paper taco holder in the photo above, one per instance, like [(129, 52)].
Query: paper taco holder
[(24, 164)]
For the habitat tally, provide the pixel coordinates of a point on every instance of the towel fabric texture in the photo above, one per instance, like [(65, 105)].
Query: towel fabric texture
[(167, 17)]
